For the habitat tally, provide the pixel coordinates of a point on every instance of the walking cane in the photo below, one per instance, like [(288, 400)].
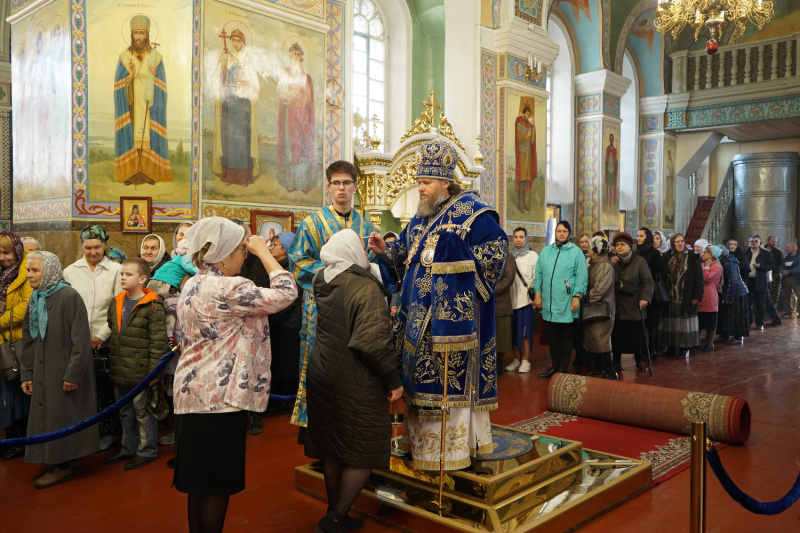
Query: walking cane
[(445, 409), (646, 344)]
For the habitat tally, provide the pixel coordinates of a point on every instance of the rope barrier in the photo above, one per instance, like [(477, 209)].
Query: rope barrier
[(108, 411), (749, 503)]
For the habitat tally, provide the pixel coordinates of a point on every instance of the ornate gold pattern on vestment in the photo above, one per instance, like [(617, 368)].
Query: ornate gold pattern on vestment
[(489, 365), (462, 308), (423, 285), (440, 287)]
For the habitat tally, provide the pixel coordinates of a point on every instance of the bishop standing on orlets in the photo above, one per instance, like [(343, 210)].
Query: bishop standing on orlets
[(449, 257)]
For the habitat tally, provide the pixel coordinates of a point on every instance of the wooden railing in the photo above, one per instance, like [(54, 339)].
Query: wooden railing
[(716, 228), (740, 64)]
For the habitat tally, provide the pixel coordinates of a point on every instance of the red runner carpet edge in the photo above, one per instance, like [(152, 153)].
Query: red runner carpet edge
[(668, 452)]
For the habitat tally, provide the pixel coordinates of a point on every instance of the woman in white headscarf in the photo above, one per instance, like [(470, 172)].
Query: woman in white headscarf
[(154, 252), (224, 368), (352, 376)]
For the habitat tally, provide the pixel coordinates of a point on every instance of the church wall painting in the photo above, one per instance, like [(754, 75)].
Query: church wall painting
[(40, 68), (263, 109), (650, 170), (670, 148), (609, 176), (525, 157), (140, 104), (584, 19), (647, 44)]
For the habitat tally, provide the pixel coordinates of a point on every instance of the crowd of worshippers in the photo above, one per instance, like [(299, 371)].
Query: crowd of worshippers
[(330, 322), (657, 295)]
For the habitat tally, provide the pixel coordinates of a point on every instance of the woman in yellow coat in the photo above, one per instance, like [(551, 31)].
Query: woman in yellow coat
[(15, 291)]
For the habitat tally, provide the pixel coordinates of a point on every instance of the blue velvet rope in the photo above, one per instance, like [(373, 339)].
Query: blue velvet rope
[(108, 411), (751, 504)]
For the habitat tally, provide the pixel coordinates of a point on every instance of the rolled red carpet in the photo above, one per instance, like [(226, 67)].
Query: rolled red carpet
[(673, 410)]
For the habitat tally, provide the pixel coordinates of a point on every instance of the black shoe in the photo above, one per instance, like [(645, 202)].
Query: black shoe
[(171, 463), (612, 376), (332, 523), (734, 342), (722, 339), (759, 328), (547, 373), (352, 523), (682, 354), (14, 453), (641, 366), (708, 347), (255, 424), (117, 458), (138, 462), (774, 323)]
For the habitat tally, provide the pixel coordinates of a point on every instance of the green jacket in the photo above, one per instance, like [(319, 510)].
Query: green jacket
[(557, 269), (142, 343)]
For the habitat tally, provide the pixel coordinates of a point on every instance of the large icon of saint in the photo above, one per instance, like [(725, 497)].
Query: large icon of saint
[(141, 152), (297, 164), (236, 113), (611, 173), (526, 163), (669, 189)]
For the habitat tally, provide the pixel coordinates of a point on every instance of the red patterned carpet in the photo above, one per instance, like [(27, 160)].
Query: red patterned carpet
[(669, 452)]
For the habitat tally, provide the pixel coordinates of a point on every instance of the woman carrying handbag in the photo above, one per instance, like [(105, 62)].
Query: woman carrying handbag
[(597, 332), (658, 271), (15, 291)]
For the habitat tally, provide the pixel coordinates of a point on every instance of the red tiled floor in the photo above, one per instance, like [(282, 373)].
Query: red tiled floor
[(765, 372)]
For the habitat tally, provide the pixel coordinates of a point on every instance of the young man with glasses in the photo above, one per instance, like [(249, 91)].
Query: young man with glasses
[(304, 258)]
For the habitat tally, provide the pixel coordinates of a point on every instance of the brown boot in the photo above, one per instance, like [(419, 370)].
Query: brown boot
[(53, 476)]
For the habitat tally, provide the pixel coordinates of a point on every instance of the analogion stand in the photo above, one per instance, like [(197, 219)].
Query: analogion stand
[(556, 485)]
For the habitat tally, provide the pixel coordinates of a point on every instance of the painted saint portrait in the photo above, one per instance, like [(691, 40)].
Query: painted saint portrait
[(263, 111), (669, 184), (525, 152), (141, 154), (609, 182), (236, 110)]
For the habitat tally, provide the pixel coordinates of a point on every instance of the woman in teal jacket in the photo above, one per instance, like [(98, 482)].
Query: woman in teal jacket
[(561, 278)]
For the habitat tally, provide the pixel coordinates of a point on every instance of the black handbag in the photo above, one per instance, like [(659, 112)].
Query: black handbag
[(630, 290), (9, 362), (595, 311), (660, 292), (531, 290)]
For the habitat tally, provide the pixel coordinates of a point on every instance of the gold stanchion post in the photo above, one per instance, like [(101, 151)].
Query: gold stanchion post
[(697, 492)]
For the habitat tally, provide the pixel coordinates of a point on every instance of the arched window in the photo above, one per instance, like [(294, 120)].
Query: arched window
[(369, 71), (629, 113), (560, 119)]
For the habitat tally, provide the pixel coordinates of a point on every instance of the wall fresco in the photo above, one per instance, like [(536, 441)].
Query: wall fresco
[(525, 156), (611, 155)]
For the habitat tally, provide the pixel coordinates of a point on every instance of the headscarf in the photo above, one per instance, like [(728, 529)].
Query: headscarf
[(716, 251), (342, 251), (161, 250), (223, 235), (115, 254), (522, 251), (286, 239), (702, 243), (95, 231), (599, 245), (664, 242), (52, 282), (175, 236), (648, 241), (738, 253), (8, 275)]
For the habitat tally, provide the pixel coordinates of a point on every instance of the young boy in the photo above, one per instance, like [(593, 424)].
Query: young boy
[(138, 342)]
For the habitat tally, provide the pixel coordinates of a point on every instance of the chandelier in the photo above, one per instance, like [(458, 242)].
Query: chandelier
[(673, 15)]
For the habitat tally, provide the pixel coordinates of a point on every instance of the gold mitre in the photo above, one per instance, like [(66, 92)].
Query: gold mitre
[(140, 22)]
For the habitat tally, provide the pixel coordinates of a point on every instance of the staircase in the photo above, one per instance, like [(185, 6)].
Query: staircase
[(698, 223)]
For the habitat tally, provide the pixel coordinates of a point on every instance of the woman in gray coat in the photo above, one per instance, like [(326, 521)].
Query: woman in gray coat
[(634, 287), (597, 334), (56, 370), (352, 377)]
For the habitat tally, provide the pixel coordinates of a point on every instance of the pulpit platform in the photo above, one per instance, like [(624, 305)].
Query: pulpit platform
[(535, 483)]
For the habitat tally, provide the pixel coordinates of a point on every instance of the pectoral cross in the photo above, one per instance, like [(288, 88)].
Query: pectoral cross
[(225, 38)]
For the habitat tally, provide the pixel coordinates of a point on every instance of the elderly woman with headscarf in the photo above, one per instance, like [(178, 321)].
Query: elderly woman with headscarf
[(600, 288), (224, 368), (679, 328), (658, 270), (736, 251), (178, 236), (154, 252), (634, 290), (734, 312), (14, 294), (709, 306), (96, 278), (56, 370), (352, 376), (660, 242)]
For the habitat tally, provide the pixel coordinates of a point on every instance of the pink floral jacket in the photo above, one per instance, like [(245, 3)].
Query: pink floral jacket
[(225, 350)]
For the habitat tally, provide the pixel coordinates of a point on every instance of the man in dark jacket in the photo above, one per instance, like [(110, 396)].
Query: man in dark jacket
[(503, 310), (284, 332), (761, 265), (775, 282)]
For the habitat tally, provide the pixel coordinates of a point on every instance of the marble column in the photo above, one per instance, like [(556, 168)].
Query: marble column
[(597, 149)]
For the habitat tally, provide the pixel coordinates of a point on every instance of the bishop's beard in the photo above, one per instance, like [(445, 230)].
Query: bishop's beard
[(428, 206)]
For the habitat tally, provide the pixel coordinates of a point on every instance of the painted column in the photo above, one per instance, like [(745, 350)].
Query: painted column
[(597, 148), (657, 166)]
